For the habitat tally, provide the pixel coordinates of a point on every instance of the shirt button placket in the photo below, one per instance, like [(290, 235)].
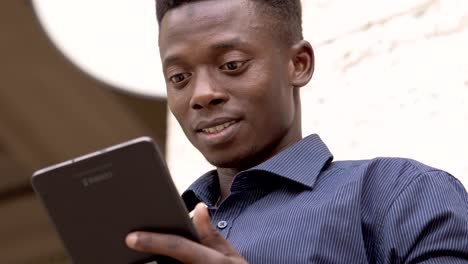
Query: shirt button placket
[(224, 216), (222, 221), (222, 224)]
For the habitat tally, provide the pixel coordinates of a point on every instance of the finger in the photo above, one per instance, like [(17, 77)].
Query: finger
[(208, 235), (173, 246)]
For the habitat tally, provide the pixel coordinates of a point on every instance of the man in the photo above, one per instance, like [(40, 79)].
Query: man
[(233, 71)]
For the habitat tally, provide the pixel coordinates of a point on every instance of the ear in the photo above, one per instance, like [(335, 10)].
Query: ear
[(302, 64)]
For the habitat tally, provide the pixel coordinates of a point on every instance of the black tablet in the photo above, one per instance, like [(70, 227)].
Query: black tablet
[(95, 200)]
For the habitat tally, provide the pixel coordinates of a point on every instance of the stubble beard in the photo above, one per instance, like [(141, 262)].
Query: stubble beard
[(242, 161)]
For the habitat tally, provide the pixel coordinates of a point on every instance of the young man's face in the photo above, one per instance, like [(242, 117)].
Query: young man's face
[(228, 81)]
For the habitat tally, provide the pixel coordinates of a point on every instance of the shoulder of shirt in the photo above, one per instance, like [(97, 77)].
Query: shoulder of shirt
[(388, 166), (382, 180), (391, 174)]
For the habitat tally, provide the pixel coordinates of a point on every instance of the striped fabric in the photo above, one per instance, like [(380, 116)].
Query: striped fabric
[(300, 207)]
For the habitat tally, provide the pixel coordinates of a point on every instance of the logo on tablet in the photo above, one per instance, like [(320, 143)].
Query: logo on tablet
[(90, 180), (95, 175)]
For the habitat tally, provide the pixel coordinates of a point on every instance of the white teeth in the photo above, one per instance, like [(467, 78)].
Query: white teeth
[(217, 129)]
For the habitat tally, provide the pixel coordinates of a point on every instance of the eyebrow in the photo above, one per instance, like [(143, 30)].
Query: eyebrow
[(230, 44), (225, 45), (171, 60)]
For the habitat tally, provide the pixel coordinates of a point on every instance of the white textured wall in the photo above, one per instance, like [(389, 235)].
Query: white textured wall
[(391, 80)]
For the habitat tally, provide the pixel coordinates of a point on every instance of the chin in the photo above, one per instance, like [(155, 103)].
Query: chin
[(240, 160), (223, 163)]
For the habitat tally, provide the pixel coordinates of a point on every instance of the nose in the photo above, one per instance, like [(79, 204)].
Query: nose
[(207, 94)]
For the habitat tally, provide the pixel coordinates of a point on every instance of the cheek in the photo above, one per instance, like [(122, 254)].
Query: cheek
[(269, 88), (178, 108), (172, 104), (256, 85), (177, 105), (273, 100)]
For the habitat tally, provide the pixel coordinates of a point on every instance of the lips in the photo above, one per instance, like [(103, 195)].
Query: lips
[(217, 132), (218, 128), (215, 125)]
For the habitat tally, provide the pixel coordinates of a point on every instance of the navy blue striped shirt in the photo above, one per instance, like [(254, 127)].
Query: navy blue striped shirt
[(301, 207)]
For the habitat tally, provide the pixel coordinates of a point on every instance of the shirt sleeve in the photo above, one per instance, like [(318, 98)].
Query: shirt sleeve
[(427, 222)]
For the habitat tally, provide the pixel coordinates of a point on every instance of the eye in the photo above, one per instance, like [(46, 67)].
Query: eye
[(231, 66), (180, 77)]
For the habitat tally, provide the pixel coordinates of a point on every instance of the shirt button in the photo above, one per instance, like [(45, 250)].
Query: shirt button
[(222, 224)]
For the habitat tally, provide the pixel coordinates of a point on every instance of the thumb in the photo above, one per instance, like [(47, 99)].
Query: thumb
[(208, 235)]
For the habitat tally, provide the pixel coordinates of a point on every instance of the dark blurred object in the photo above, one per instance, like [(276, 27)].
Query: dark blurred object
[(49, 112)]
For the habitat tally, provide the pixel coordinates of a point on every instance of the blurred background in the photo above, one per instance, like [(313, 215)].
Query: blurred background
[(79, 75)]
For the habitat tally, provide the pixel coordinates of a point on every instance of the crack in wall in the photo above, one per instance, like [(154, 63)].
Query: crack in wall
[(416, 11), (362, 56), (354, 57), (461, 26)]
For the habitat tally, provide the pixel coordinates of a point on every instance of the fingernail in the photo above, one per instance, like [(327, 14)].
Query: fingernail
[(202, 204), (132, 239), (191, 214)]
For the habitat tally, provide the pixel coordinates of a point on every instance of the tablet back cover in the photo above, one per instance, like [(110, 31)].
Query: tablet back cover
[(96, 200)]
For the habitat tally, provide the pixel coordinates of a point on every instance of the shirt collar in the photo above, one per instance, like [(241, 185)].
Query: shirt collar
[(204, 189), (301, 163)]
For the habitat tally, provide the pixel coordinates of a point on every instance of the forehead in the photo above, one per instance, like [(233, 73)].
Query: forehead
[(200, 22)]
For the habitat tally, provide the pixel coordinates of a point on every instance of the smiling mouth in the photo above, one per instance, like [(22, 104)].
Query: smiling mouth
[(218, 128)]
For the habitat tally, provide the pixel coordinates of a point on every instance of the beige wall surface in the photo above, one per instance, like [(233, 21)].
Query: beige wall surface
[(391, 80)]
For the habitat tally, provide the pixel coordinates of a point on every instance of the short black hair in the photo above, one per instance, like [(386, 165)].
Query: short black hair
[(286, 15)]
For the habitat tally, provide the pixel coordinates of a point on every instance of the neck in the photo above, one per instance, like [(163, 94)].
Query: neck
[(225, 176)]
